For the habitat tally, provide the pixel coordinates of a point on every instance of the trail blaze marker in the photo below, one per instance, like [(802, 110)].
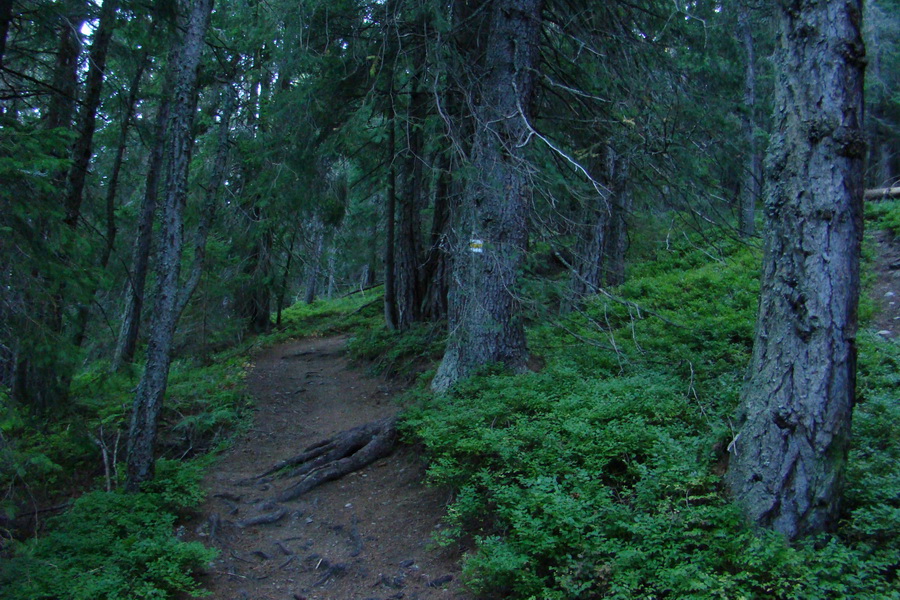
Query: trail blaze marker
[(476, 246)]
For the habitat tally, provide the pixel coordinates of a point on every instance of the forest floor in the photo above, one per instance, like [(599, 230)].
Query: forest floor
[(365, 536)]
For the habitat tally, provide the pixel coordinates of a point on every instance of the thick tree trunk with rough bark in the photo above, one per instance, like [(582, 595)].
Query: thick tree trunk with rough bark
[(151, 390), (408, 248), (787, 461), (484, 323)]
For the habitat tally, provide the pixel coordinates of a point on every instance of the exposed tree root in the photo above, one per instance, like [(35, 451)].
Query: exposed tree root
[(333, 458), (264, 519)]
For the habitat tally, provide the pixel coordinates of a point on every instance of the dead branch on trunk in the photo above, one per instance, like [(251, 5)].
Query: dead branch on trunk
[(333, 458)]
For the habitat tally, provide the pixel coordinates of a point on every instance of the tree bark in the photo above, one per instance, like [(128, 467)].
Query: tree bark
[(752, 175), (787, 461), (151, 390), (484, 323)]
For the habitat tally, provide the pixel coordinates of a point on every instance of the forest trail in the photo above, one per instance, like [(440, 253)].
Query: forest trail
[(365, 536), (886, 286)]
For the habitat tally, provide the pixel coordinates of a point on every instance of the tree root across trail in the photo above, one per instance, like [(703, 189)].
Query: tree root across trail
[(333, 458), (318, 500)]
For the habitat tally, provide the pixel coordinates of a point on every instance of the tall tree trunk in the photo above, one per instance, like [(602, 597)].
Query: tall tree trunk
[(81, 153), (436, 266), (208, 214), (372, 270), (390, 271), (407, 246), (752, 174), (285, 275), (61, 109), (314, 264), (884, 159), (254, 300), (332, 272), (617, 237), (126, 344), (787, 461), (484, 323), (151, 390), (600, 253), (111, 189), (113, 186), (409, 273)]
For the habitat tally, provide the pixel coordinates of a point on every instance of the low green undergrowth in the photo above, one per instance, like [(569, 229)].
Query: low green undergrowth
[(356, 312), (399, 354), (112, 545), (601, 476), (884, 214)]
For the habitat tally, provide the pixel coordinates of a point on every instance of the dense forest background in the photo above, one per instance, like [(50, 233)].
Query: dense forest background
[(183, 182)]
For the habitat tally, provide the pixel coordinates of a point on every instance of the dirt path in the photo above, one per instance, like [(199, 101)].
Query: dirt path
[(886, 288), (363, 537)]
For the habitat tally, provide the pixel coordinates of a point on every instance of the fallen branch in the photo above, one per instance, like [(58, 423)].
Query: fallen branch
[(882, 193), (365, 306)]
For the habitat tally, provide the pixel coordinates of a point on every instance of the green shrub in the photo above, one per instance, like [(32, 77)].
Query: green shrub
[(402, 353), (205, 404), (352, 313), (112, 545), (134, 555), (601, 476), (884, 214)]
